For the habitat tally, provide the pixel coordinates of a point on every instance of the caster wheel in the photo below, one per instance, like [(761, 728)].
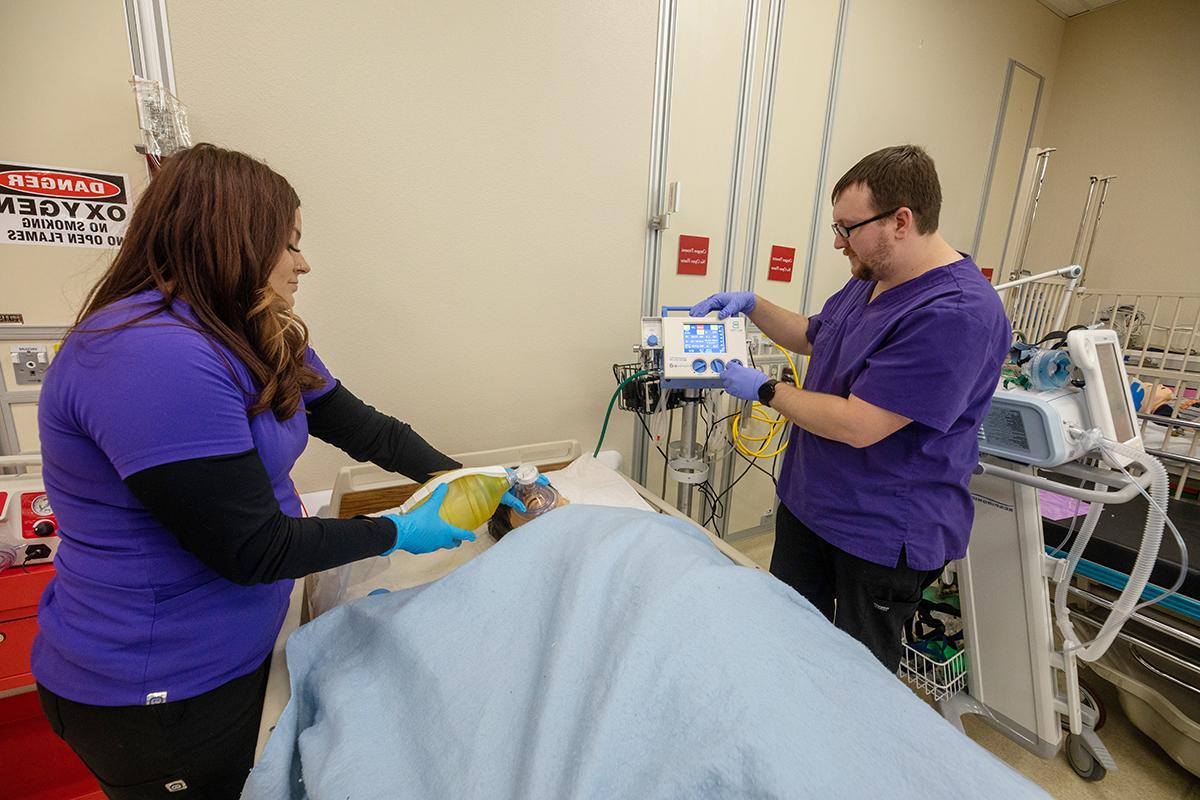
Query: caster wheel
[(1082, 761), (1090, 698)]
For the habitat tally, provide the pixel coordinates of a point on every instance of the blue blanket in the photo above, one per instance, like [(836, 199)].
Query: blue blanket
[(605, 653)]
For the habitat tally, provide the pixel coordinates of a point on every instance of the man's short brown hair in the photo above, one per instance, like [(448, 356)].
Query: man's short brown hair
[(900, 176)]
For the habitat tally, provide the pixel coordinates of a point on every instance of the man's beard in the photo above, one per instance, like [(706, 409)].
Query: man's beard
[(874, 266)]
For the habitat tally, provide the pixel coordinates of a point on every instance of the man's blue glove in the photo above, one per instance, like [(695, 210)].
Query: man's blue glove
[(512, 501), (742, 382), (423, 530), (729, 303)]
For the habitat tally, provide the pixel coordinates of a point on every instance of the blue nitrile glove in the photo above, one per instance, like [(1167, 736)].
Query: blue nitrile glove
[(422, 530), (512, 501), (742, 382), (729, 303)]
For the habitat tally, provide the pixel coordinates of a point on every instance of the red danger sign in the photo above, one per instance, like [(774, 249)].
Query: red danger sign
[(57, 184), (63, 207)]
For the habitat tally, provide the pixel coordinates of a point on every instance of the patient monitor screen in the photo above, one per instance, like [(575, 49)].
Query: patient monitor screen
[(703, 338), (1116, 390)]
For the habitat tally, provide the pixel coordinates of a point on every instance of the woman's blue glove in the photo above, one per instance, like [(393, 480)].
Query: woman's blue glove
[(423, 530), (729, 303), (512, 501), (742, 382)]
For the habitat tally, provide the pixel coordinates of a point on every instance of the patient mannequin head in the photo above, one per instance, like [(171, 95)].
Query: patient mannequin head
[(538, 499)]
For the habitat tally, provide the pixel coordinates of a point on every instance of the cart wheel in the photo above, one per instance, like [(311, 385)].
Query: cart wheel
[(1089, 697), (1082, 761)]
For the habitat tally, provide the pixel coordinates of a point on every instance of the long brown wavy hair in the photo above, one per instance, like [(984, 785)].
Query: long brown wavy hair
[(208, 229)]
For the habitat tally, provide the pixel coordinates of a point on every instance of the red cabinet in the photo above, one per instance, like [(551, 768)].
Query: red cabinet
[(56, 773), (19, 593)]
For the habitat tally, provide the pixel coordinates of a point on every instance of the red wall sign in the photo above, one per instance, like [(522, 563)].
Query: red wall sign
[(988, 272), (693, 255), (782, 259)]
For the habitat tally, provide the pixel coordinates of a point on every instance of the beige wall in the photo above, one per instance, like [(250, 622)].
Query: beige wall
[(64, 78), (709, 41), (473, 178), (999, 236), (931, 72), (1127, 102)]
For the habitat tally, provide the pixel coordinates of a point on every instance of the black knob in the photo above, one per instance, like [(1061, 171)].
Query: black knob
[(44, 528)]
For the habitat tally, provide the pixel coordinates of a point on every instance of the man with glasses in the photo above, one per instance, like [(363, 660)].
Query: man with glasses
[(905, 358)]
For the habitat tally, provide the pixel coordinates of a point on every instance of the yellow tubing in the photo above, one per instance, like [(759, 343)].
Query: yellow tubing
[(775, 424)]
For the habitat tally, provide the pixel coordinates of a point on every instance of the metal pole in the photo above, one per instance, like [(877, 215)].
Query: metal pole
[(1077, 250), (659, 140), (749, 43), (766, 108), (1069, 271), (991, 168), (1060, 319), (1105, 181), (816, 228), (687, 449), (150, 41), (1043, 161), (745, 86)]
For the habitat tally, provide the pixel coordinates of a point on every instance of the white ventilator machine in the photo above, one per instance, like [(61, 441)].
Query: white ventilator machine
[(691, 353), (1018, 678)]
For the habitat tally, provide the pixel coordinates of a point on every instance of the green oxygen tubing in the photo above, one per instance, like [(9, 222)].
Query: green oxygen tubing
[(607, 414)]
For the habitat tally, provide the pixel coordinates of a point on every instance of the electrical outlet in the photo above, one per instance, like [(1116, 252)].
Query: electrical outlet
[(29, 363)]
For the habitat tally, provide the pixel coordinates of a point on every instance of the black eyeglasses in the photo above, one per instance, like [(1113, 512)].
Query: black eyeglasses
[(844, 230)]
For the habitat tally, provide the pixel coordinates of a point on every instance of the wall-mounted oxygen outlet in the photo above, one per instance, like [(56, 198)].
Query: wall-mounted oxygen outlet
[(29, 363)]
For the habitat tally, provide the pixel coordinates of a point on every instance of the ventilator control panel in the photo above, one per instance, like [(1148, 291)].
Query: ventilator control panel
[(696, 350)]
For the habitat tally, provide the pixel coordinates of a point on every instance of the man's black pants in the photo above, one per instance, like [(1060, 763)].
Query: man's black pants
[(201, 747), (873, 602)]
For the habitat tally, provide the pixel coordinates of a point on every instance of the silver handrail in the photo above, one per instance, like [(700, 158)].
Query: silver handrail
[(1149, 622)]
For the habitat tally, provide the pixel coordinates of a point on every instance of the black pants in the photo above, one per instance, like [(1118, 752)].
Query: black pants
[(873, 602), (201, 747)]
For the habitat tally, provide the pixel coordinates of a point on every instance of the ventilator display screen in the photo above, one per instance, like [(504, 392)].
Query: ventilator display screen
[(1119, 402), (703, 338)]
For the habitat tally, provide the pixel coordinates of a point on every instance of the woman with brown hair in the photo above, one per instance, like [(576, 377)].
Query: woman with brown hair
[(169, 423)]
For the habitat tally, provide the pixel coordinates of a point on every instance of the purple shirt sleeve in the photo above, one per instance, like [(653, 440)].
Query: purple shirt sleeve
[(927, 369), (314, 361), (163, 395), (814, 325)]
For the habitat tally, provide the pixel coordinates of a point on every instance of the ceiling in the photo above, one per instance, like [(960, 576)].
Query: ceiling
[(1070, 8)]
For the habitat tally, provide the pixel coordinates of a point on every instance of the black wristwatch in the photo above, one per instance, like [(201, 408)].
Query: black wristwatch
[(766, 392)]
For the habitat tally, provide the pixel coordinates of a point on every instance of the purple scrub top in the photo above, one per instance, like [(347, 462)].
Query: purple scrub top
[(930, 350), (130, 616)]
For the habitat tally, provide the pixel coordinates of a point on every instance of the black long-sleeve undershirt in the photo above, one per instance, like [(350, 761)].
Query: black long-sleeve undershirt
[(364, 434), (224, 511)]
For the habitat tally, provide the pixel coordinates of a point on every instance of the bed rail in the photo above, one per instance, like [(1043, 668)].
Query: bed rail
[(1160, 334)]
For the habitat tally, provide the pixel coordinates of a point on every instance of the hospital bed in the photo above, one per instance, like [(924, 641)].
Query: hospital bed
[(597, 652), (367, 489)]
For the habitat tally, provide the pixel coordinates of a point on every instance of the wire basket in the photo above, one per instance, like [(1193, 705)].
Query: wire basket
[(940, 680), (644, 393)]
